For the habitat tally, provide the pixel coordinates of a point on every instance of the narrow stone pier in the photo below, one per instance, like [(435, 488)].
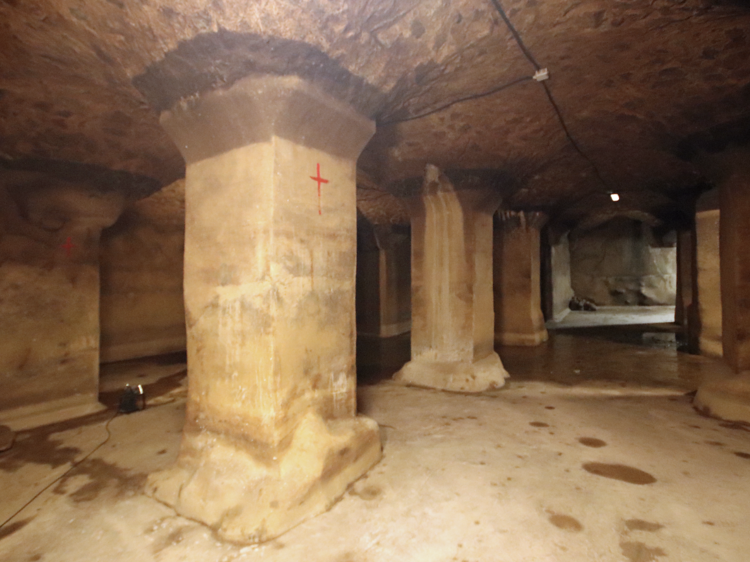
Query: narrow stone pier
[(730, 398), (685, 266), (49, 281), (518, 308), (272, 435), (708, 278), (384, 281), (452, 338)]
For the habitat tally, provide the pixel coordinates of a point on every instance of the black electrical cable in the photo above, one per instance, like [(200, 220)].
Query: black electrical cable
[(572, 141), (460, 100), (553, 103), (515, 34), (64, 474)]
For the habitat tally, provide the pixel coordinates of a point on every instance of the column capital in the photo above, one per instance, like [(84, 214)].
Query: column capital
[(263, 106), (473, 193), (513, 220)]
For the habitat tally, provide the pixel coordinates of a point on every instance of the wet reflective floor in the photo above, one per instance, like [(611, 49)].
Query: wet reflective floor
[(592, 452), (633, 356), (629, 355)]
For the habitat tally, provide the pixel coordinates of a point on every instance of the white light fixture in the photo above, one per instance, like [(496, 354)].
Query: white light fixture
[(614, 196), (541, 75)]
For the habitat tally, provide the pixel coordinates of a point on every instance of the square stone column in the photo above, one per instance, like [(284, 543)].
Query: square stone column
[(271, 435), (684, 296), (49, 282), (734, 247), (452, 338), (518, 309), (384, 282), (730, 398), (707, 300)]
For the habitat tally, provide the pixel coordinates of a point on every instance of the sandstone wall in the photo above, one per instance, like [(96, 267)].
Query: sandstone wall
[(142, 311), (620, 263), (49, 298)]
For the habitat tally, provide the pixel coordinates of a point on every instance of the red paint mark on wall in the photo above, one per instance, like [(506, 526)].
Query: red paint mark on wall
[(320, 180), (68, 246)]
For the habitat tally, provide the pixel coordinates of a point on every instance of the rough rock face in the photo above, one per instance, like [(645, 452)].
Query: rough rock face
[(629, 79), (621, 263), (49, 296), (141, 260)]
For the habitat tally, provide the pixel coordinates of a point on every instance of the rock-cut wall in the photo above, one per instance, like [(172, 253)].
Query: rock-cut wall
[(621, 263), (142, 311)]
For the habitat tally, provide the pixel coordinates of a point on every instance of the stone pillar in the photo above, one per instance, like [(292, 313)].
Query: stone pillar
[(387, 275), (562, 290), (271, 435), (734, 235), (49, 283), (684, 295), (518, 311), (730, 398), (451, 276), (709, 310)]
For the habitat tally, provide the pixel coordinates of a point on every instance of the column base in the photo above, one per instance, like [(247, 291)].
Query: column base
[(54, 411), (528, 340), (454, 376), (711, 347), (250, 496), (728, 399)]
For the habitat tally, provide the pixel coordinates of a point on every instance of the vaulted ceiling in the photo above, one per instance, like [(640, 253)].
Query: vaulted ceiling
[(448, 82)]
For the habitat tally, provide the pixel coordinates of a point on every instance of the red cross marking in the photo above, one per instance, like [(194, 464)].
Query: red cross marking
[(320, 180), (68, 246)]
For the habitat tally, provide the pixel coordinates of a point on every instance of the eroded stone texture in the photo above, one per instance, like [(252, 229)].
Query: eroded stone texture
[(271, 435), (384, 281), (733, 178), (562, 290), (730, 170), (49, 303), (708, 269), (418, 56), (142, 311), (620, 262), (517, 289), (452, 312), (684, 296)]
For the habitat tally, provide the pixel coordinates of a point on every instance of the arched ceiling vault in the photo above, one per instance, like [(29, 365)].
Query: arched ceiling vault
[(82, 83)]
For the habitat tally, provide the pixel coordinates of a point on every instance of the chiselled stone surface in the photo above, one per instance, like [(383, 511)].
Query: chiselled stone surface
[(452, 314), (271, 435), (614, 67), (708, 275), (142, 312), (49, 296), (517, 290), (621, 262), (383, 280), (730, 170)]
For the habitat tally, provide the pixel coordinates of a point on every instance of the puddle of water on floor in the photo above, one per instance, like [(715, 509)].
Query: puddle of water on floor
[(621, 472)]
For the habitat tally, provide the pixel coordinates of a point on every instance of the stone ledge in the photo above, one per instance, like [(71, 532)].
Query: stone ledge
[(250, 497), (53, 411), (454, 376)]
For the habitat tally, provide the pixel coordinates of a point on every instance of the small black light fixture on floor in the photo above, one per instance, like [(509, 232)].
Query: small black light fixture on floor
[(132, 399)]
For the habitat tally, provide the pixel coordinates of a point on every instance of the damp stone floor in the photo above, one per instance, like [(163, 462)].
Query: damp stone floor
[(609, 463)]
